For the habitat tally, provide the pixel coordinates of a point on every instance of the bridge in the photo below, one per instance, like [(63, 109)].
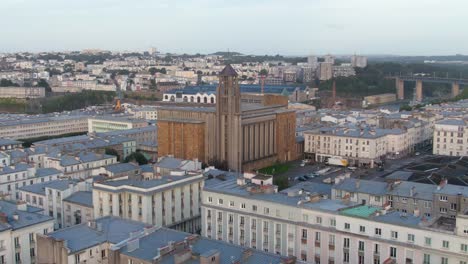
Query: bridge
[(400, 82)]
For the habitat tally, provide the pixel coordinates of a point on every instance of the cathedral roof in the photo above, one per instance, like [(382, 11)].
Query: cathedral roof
[(228, 71)]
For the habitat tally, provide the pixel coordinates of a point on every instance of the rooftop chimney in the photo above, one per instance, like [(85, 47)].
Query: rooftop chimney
[(412, 193), (358, 184)]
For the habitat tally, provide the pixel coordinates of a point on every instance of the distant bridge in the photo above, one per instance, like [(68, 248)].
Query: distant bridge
[(400, 82)]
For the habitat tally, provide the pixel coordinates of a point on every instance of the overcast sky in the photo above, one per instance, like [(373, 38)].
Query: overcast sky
[(290, 27)]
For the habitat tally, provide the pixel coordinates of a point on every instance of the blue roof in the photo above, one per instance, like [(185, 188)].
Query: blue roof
[(39, 188), (25, 218), (82, 198), (149, 244), (121, 167), (81, 237), (245, 88)]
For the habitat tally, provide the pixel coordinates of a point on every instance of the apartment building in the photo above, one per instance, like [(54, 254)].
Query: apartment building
[(39, 126), (428, 200), (49, 197), (79, 166), (172, 201), (451, 137), (22, 92), (361, 145), (78, 208), (147, 112), (8, 144), (20, 226), (112, 123), (315, 229), (88, 242), (12, 178)]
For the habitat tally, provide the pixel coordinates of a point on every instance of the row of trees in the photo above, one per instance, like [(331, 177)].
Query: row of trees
[(70, 102)]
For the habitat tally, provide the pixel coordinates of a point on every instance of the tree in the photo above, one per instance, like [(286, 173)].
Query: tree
[(113, 152), (7, 83), (264, 72), (137, 157), (45, 84), (152, 70), (405, 108)]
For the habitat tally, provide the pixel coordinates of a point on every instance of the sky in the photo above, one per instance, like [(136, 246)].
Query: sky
[(287, 27)]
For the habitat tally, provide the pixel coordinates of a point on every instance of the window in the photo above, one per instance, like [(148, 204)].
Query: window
[(254, 208), (464, 247), (362, 229), (231, 203), (394, 234), (18, 257), (77, 258), (305, 217), (345, 257), (361, 246), (411, 238), (331, 240), (427, 259), (347, 226), (427, 241), (346, 243), (266, 210), (210, 199), (332, 222), (17, 243), (376, 249), (393, 252), (445, 244), (453, 206), (318, 219), (317, 236), (243, 205), (443, 210), (378, 232), (304, 233), (443, 198), (220, 201), (444, 260)]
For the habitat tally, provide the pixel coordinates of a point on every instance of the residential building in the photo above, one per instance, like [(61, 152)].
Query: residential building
[(12, 178), (78, 208), (20, 227), (325, 71), (49, 196), (8, 144), (112, 123), (250, 212), (22, 92), (359, 61), (172, 201), (451, 137), (79, 166)]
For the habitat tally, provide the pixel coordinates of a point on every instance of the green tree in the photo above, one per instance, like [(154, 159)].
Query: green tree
[(405, 108), (137, 157), (113, 152), (45, 84), (264, 72), (7, 83)]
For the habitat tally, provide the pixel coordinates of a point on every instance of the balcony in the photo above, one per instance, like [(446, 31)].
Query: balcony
[(304, 240), (290, 252), (254, 227), (242, 225), (331, 246), (265, 244), (278, 247), (220, 219), (278, 232), (317, 243), (265, 229)]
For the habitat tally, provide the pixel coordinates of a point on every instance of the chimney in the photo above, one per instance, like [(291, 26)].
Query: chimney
[(416, 212), (133, 244), (21, 206), (412, 191), (358, 183), (3, 218), (16, 216), (442, 184)]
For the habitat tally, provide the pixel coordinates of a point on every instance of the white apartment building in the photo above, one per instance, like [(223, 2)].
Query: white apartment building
[(49, 197), (148, 113), (79, 166), (319, 230), (22, 92), (78, 208), (362, 145), (14, 177), (24, 127), (171, 201), (112, 123), (451, 137), (19, 228)]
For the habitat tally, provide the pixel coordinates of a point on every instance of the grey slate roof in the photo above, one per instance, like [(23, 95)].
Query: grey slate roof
[(121, 167), (369, 187), (83, 198), (81, 237)]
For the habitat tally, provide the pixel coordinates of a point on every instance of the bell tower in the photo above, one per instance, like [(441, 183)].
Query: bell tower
[(228, 119)]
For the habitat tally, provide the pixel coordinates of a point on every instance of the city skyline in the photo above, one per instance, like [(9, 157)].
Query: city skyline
[(255, 27)]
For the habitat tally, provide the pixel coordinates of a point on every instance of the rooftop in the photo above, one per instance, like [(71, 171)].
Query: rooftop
[(29, 216), (81, 198)]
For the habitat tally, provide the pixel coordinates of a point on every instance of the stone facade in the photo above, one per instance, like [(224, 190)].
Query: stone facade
[(181, 139)]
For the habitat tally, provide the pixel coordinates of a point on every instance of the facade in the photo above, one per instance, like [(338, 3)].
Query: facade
[(343, 71), (199, 98), (22, 92), (359, 61), (451, 137), (243, 136), (112, 123), (20, 227), (148, 113), (325, 71), (49, 196), (171, 201), (318, 230), (12, 178), (8, 144), (78, 208), (25, 128), (79, 166)]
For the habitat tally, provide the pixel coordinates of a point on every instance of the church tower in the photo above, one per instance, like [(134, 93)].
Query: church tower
[(228, 119)]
